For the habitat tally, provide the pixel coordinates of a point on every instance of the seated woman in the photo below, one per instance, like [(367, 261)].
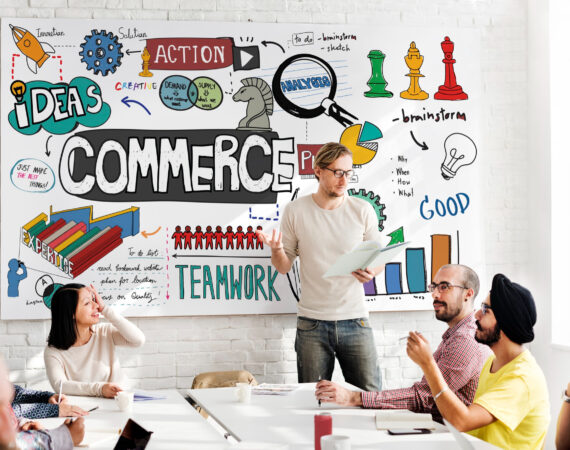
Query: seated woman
[(32, 435), (80, 355), (33, 404)]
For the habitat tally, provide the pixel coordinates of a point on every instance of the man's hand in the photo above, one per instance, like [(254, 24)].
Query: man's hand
[(327, 391), (364, 276), (54, 397), (418, 349), (273, 240), (110, 390), (67, 410), (28, 426), (76, 430)]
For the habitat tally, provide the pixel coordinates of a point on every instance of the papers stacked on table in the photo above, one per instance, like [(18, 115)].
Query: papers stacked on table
[(274, 389)]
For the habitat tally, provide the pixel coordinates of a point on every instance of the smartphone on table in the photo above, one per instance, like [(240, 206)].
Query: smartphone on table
[(403, 431)]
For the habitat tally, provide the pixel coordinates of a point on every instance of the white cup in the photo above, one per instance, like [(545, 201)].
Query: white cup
[(125, 400), (335, 442), (243, 392)]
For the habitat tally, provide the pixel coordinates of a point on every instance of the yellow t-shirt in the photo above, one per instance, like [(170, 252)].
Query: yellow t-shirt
[(517, 396)]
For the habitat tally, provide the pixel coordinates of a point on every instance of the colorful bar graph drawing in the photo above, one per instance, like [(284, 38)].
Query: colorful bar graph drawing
[(393, 277), (416, 270), (440, 252), (370, 287), (73, 240)]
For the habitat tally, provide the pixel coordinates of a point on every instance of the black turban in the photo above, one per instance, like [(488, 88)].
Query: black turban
[(514, 309)]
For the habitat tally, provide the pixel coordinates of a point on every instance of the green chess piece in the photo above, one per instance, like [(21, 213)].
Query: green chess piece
[(377, 82)]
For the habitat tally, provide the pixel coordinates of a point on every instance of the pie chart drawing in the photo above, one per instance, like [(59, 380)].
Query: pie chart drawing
[(361, 141)]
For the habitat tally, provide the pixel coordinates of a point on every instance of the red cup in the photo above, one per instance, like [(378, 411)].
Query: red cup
[(323, 426)]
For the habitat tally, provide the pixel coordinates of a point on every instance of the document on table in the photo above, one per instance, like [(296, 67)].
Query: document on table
[(366, 254), (142, 396), (274, 389), (395, 419)]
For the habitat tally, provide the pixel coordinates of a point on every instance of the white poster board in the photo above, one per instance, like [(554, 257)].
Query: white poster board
[(142, 156)]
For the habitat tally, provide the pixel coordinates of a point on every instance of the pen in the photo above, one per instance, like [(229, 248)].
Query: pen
[(319, 398), (406, 337), (93, 409), (59, 396)]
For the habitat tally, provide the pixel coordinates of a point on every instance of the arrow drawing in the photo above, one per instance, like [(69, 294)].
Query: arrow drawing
[(423, 145), (146, 234), (264, 43), (397, 236), (127, 102)]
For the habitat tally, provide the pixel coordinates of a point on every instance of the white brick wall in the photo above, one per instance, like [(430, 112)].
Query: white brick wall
[(179, 348)]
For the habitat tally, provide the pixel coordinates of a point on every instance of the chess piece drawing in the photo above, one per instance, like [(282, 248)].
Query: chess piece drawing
[(377, 82), (414, 61), (257, 93), (145, 55), (450, 90)]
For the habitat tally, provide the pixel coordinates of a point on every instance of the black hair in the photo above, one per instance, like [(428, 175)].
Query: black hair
[(63, 331)]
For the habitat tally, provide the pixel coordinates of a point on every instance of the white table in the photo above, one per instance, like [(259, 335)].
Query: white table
[(174, 422), (289, 419)]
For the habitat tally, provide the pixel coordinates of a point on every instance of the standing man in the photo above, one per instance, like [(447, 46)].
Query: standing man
[(458, 356), (332, 318), (510, 408)]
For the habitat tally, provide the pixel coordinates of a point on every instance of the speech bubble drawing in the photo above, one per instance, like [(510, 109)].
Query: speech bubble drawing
[(32, 175)]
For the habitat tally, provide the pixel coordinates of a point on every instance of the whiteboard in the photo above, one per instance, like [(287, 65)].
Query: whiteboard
[(142, 156)]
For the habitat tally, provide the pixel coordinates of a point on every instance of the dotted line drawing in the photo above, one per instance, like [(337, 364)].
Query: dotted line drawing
[(276, 218), (167, 271), (14, 56)]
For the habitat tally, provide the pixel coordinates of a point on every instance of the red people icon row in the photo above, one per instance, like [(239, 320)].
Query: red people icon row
[(214, 239)]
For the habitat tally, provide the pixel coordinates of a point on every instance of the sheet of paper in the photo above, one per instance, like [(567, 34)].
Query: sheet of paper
[(142, 396), (366, 254), (274, 389)]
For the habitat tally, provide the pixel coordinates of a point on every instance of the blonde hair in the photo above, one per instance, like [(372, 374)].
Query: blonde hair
[(329, 153)]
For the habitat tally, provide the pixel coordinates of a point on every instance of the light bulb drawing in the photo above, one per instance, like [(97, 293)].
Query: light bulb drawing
[(18, 89), (460, 151)]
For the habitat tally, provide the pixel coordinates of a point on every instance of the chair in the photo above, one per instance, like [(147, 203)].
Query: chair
[(229, 378)]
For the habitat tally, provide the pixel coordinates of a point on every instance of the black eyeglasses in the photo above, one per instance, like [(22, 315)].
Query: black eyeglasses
[(485, 308), (443, 286), (341, 173)]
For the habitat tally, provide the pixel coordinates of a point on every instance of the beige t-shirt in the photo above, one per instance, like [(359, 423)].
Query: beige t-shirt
[(319, 236), (85, 369)]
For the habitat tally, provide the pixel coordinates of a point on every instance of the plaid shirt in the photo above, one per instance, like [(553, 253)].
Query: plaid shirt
[(460, 359)]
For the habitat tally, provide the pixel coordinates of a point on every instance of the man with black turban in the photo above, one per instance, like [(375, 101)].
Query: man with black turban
[(510, 408)]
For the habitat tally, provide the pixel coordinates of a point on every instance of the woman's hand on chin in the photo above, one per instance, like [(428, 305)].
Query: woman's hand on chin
[(110, 390)]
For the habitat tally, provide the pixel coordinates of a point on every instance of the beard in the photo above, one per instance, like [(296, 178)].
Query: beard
[(446, 314), (333, 194), (488, 337)]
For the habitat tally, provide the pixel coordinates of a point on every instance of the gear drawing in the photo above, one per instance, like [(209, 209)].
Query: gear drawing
[(101, 52), (374, 200)]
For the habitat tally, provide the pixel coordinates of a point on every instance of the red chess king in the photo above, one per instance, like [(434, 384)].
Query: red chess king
[(323, 426), (450, 89)]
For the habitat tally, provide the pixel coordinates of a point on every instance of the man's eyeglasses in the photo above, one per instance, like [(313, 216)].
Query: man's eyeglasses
[(341, 173), (485, 308), (443, 286)]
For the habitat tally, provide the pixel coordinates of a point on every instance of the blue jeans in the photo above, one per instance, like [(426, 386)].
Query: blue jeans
[(351, 341)]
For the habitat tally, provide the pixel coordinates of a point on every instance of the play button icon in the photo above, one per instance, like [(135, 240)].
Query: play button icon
[(246, 58)]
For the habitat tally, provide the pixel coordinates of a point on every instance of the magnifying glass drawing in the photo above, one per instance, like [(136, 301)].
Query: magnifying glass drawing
[(299, 79)]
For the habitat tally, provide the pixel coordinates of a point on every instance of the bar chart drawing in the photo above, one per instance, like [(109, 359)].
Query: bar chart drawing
[(440, 252), (414, 269)]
